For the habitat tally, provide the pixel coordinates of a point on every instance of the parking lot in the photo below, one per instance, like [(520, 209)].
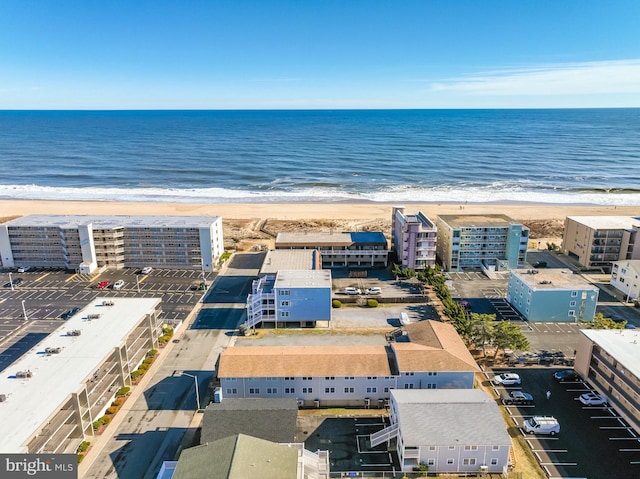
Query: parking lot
[(593, 440), (43, 296)]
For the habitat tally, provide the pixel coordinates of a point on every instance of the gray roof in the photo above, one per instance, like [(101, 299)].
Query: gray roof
[(255, 417), (482, 221), (290, 259), (316, 278), (115, 221), (449, 417), (553, 279), (238, 457)]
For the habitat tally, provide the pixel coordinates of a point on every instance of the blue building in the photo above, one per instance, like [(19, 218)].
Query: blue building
[(290, 297), (552, 295)]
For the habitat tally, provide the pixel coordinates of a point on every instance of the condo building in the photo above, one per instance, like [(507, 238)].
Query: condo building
[(87, 242), (552, 295), (608, 360), (363, 249), (625, 277), (487, 242), (413, 239), (597, 241), (50, 397)]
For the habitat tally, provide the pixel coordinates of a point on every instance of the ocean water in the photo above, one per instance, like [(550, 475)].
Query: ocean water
[(589, 156)]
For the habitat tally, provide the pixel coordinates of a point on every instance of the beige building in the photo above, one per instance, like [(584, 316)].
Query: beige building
[(597, 241), (86, 242), (608, 360), (50, 397), (625, 277)]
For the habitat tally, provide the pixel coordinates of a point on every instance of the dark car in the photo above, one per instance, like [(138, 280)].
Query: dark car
[(518, 398), (15, 282), (566, 375), (540, 264), (70, 313)]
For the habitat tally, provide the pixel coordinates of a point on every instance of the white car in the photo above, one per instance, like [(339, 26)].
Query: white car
[(375, 290), (146, 270), (593, 399), (23, 269), (118, 284), (352, 291), (506, 379)]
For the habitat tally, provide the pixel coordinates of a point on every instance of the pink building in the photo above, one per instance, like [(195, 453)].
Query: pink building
[(413, 238)]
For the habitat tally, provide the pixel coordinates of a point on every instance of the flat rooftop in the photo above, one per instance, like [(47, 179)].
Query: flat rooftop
[(553, 279), (607, 222), (114, 221), (420, 218), (289, 259), (31, 401), (330, 238), (623, 345), (303, 279), (465, 221)]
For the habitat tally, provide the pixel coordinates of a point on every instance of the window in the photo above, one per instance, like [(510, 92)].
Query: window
[(471, 461), (494, 461), (372, 377), (349, 390), (431, 462), (572, 312), (450, 460), (495, 448), (372, 390), (433, 374), (408, 374), (288, 378), (284, 303), (386, 390), (232, 390), (285, 292), (306, 378), (307, 390), (254, 390), (432, 386), (572, 303), (470, 448), (574, 294), (272, 390), (349, 378), (329, 390), (289, 390), (451, 448), (408, 386), (329, 378), (284, 314)]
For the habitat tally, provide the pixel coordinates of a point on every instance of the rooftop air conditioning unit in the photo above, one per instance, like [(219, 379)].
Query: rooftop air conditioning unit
[(74, 332), (108, 302), (93, 316), (300, 402), (52, 350), (24, 374), (316, 402), (3, 397)]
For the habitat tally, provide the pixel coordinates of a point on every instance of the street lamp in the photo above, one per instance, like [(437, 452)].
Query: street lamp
[(204, 278), (24, 311), (195, 380), (138, 282), (10, 282)]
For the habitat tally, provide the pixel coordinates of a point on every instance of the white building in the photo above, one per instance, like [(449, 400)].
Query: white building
[(608, 360), (413, 238), (86, 242), (625, 277), (50, 397), (455, 431)]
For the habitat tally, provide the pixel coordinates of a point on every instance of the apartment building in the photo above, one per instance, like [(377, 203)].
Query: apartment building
[(325, 376), (290, 259), (413, 239), (87, 242), (290, 297), (597, 241), (364, 249), (50, 397), (452, 431), (552, 295), (488, 242), (608, 360), (625, 277)]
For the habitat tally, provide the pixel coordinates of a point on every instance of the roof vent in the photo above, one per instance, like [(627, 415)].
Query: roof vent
[(49, 351), (108, 302), (93, 316), (24, 374), (74, 332), (3, 397)]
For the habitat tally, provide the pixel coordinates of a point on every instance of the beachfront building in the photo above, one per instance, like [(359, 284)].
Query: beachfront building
[(597, 241), (608, 360), (625, 277), (324, 376), (552, 295), (488, 242), (290, 259), (87, 242), (364, 249), (413, 239), (50, 397), (290, 297), (453, 431)]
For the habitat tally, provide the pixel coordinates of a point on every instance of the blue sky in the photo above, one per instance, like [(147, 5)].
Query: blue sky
[(319, 54)]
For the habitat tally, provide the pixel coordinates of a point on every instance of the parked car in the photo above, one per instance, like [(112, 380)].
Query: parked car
[(518, 398), (592, 399), (118, 284), (506, 379), (541, 425), (540, 264), (352, 291), (70, 313), (23, 269), (146, 270), (375, 290), (566, 375), (102, 284)]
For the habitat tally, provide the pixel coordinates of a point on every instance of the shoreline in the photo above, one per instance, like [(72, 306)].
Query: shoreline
[(310, 210)]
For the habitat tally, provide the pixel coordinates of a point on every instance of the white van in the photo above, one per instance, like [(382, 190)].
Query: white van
[(541, 425)]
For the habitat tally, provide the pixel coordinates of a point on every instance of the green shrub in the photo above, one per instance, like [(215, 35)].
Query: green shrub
[(96, 424), (372, 303), (105, 419), (164, 339), (136, 374), (84, 445), (80, 458), (148, 361), (123, 391), (143, 367), (118, 402), (152, 353), (112, 410), (336, 303)]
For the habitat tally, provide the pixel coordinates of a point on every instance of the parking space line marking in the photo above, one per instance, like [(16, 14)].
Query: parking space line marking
[(629, 450), (635, 439), (558, 463), (550, 450), (70, 277), (41, 277)]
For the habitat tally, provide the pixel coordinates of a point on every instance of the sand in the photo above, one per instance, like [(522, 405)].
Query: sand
[(248, 224)]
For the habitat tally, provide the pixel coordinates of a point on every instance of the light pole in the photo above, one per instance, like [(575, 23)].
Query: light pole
[(195, 380), (24, 311), (10, 282), (204, 278), (138, 283)]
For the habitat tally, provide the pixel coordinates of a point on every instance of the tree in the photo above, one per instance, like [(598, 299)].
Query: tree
[(600, 322), (483, 330), (509, 335)]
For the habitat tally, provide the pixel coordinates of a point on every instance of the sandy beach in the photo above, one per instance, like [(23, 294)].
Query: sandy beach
[(247, 224)]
